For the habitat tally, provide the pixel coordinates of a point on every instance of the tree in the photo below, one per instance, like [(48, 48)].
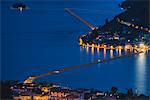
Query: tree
[(106, 21), (130, 93), (114, 90)]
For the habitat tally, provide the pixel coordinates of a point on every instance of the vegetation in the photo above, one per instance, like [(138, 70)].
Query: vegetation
[(130, 26)]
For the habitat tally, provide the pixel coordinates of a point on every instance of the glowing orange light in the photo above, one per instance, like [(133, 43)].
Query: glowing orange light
[(104, 52), (92, 50), (111, 47), (129, 24), (87, 45), (80, 41), (92, 45), (119, 52), (136, 27), (111, 53), (105, 46), (120, 47), (87, 49), (132, 25)]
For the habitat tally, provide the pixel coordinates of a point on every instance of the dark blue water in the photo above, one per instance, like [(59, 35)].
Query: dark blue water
[(44, 38)]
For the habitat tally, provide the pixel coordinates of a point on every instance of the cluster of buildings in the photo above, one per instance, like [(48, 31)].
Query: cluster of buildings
[(133, 25), (118, 34), (127, 29), (56, 92), (38, 92), (112, 42)]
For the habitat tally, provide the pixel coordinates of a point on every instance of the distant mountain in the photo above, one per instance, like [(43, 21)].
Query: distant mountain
[(136, 12), (129, 27), (138, 9)]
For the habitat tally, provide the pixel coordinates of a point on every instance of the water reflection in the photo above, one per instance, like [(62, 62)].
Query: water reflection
[(87, 50), (119, 52), (126, 50), (104, 53), (141, 73), (131, 50), (92, 51), (111, 54), (81, 48), (116, 51), (139, 76), (97, 50)]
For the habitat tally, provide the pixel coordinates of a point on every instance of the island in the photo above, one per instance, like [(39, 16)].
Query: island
[(19, 6)]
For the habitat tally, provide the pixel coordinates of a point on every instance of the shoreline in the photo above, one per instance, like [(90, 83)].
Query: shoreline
[(49, 91)]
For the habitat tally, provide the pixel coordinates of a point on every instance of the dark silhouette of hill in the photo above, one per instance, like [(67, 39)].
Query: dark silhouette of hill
[(136, 12)]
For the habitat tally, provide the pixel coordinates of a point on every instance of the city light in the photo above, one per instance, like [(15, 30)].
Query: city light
[(141, 45)]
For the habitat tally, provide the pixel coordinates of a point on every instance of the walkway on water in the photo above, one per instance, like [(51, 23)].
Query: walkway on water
[(80, 19), (31, 79), (87, 65)]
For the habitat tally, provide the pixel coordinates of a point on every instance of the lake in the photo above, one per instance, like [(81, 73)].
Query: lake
[(45, 38)]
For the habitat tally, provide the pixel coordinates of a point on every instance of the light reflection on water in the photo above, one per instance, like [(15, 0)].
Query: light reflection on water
[(140, 64), (120, 52), (96, 51), (111, 53), (87, 50), (92, 50), (140, 73), (104, 53), (44, 50)]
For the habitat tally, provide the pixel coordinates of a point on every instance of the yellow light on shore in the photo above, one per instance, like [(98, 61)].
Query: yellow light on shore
[(141, 27), (92, 45), (83, 44), (105, 46), (120, 47), (136, 27), (135, 46), (80, 41), (128, 46), (129, 24), (141, 45), (132, 25), (111, 47), (87, 45)]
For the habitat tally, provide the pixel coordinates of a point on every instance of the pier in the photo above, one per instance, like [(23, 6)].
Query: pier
[(80, 19), (32, 78)]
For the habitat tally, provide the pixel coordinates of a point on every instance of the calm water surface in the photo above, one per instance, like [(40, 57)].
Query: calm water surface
[(44, 38)]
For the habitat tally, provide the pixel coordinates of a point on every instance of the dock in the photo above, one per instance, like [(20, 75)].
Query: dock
[(80, 19)]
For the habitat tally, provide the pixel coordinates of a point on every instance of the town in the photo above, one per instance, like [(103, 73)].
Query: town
[(51, 91), (127, 31)]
